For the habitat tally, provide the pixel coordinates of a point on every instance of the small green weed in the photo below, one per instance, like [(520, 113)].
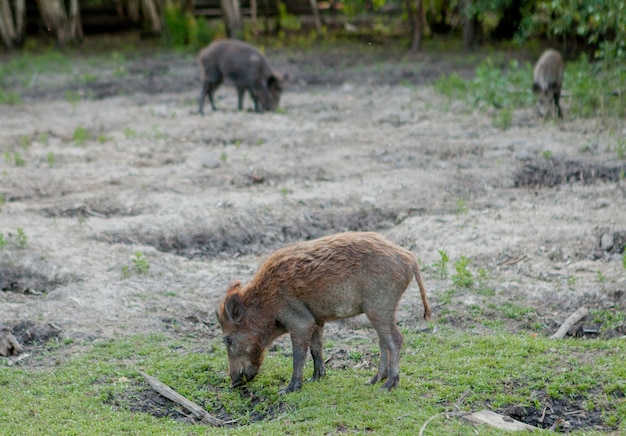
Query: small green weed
[(461, 207), (81, 135), (25, 141), (1, 200), (18, 160), (441, 266), (21, 239), (130, 133), (51, 159), (504, 118), (43, 138), (600, 278), (620, 148), (72, 97), (139, 265), (3, 241), (463, 278), (546, 154), (571, 282), (223, 157), (284, 191), (103, 138), (10, 98), (514, 311)]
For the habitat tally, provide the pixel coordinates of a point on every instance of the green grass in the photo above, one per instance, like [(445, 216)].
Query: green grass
[(98, 391), (595, 89)]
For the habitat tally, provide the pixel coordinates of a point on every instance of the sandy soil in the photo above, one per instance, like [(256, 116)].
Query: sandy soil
[(362, 142)]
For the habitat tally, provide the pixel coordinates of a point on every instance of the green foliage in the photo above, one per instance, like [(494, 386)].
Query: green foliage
[(595, 89), (81, 135), (600, 24), (441, 266), (139, 264), (461, 207), (3, 242), (51, 159), (21, 238), (18, 160), (463, 278), (183, 29)]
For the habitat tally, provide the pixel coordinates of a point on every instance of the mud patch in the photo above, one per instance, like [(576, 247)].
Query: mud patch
[(148, 401), (561, 415), (257, 233), (17, 279), (558, 171), (29, 333)]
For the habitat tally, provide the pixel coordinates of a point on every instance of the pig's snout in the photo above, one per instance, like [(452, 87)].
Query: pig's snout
[(242, 376)]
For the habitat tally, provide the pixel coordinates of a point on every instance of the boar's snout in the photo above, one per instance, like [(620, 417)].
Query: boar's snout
[(242, 375)]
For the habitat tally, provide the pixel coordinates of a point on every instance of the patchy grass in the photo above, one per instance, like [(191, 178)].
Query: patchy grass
[(101, 392)]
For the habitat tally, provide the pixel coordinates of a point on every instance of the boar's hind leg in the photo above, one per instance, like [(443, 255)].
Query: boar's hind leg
[(319, 370), (390, 341), (299, 322)]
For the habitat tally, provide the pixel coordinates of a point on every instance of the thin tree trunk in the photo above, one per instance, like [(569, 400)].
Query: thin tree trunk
[(316, 17), (12, 22), (469, 25), (54, 17), (255, 23), (76, 25), (417, 22), (232, 17), (151, 16), (133, 10)]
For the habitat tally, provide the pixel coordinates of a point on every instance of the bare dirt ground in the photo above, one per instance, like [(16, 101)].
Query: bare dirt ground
[(362, 142)]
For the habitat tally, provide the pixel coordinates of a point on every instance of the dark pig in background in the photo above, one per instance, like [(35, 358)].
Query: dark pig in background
[(302, 286), (549, 72), (246, 67)]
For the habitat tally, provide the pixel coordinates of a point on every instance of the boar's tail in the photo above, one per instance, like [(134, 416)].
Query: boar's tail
[(418, 277)]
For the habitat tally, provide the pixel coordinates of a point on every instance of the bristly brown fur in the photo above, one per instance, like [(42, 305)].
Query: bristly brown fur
[(300, 287)]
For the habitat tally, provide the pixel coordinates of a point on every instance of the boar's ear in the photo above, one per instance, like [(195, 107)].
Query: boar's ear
[(536, 88), (234, 287), (233, 306)]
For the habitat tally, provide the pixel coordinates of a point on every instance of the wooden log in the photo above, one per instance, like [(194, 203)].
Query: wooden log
[(569, 322), (197, 411)]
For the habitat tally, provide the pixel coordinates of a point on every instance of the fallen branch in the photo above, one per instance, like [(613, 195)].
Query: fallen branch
[(197, 411), (569, 322)]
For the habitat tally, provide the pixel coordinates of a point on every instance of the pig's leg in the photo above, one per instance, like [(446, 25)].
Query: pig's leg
[(383, 364), (240, 95), (390, 340), (319, 369), (211, 87), (299, 322), (557, 95), (205, 87), (255, 99)]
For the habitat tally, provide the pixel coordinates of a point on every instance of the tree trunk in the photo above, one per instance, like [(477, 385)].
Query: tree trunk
[(255, 23), (76, 25), (133, 11), (232, 18), (417, 22), (266, 12), (151, 16), (469, 25), (12, 23), (316, 18), (54, 17)]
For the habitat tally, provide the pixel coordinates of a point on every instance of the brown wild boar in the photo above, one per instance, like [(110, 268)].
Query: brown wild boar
[(302, 286), (549, 72), (246, 67)]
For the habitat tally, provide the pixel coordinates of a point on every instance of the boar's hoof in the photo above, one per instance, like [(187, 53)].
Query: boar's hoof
[(292, 387), (391, 383)]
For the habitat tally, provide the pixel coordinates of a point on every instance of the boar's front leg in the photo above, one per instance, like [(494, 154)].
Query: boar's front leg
[(299, 322), (240, 94)]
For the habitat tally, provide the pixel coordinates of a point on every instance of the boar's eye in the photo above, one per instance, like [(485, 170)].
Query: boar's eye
[(228, 341)]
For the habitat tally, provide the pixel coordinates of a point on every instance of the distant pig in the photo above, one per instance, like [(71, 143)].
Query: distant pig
[(300, 287), (549, 72), (246, 67)]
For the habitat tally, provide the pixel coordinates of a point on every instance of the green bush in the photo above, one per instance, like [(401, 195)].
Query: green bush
[(183, 29)]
